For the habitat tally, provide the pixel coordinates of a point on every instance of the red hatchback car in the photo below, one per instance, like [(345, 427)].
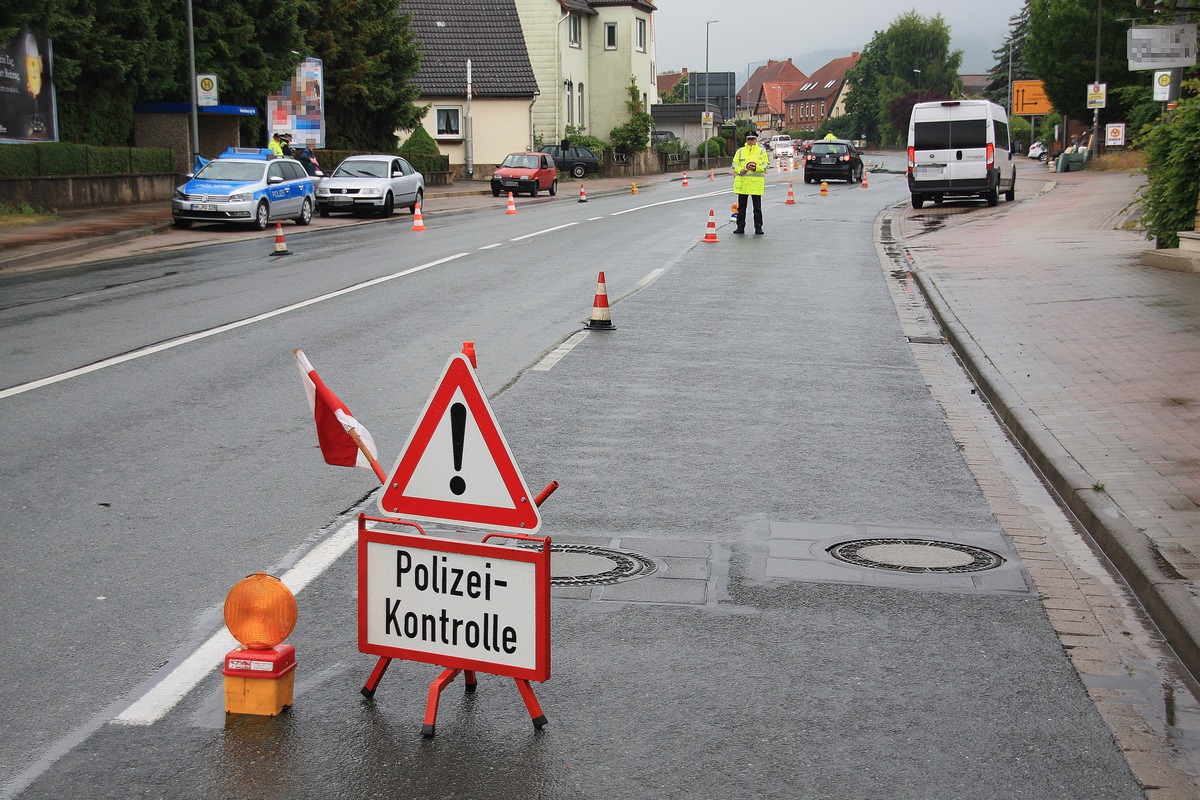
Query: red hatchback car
[(525, 172)]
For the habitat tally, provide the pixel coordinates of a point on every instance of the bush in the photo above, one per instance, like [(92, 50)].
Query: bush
[(419, 143), (61, 158), (329, 160), (712, 148), (1173, 172)]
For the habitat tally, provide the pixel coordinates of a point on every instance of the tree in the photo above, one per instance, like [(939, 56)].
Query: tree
[(371, 58), (1061, 49), (107, 56), (1010, 60), (888, 68), (634, 135)]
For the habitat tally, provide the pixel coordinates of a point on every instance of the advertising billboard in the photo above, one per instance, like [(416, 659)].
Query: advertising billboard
[(299, 108), (27, 105)]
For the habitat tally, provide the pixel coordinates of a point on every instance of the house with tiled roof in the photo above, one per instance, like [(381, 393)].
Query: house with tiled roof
[(667, 81), (583, 54), (773, 73), (486, 33), (821, 98)]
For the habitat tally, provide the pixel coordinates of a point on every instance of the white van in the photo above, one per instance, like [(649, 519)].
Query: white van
[(959, 148)]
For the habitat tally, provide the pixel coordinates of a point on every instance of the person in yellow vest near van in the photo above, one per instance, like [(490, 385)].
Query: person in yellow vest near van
[(750, 180)]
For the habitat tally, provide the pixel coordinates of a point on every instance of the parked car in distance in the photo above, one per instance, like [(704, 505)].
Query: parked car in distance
[(376, 183), (1038, 150), (575, 161), (780, 145), (248, 186), (833, 158), (661, 137), (525, 172)]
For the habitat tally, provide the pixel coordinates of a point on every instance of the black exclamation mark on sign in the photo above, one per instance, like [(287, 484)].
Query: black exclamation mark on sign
[(458, 429)]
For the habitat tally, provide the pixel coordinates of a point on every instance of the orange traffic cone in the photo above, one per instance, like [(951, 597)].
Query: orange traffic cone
[(582, 194), (685, 183), (712, 175), (824, 188), (280, 244), (418, 221), (512, 208), (791, 198), (783, 165), (711, 234), (601, 318), (864, 183), (634, 189)]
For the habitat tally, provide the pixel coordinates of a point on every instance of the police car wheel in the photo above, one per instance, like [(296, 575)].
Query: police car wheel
[(262, 215), (305, 213)]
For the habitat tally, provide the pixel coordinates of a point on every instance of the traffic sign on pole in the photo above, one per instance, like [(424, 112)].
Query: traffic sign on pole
[(456, 466)]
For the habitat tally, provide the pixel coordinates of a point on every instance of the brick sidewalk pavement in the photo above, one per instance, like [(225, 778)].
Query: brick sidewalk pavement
[(1093, 361)]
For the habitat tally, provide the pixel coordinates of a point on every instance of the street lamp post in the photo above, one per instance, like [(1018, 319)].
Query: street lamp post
[(918, 72), (705, 111)]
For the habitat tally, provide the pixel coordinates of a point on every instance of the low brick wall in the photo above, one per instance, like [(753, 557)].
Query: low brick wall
[(90, 191)]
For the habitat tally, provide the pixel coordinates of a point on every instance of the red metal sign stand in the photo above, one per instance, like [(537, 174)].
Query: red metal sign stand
[(448, 675)]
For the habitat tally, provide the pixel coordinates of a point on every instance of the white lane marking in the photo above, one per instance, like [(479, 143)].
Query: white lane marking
[(668, 202), (195, 337), (593, 219), (154, 704), (490, 246), (649, 279), (547, 230), (557, 354)]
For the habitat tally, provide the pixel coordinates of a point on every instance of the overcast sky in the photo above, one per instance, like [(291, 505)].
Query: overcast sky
[(813, 32)]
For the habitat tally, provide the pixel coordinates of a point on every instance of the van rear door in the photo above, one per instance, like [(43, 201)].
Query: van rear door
[(950, 144)]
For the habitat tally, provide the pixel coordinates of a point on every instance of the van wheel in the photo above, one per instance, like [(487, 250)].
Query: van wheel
[(993, 196), (1011, 194), (917, 201)]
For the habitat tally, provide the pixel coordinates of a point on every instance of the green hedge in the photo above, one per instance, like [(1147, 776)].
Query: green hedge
[(330, 159), (61, 158)]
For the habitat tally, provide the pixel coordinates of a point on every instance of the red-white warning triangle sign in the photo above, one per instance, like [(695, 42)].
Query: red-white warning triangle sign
[(456, 466)]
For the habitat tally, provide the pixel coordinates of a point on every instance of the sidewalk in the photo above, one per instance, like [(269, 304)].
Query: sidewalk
[(1093, 362)]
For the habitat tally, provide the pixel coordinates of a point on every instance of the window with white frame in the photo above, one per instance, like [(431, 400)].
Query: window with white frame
[(575, 30), (570, 103), (582, 118), (448, 120), (610, 36), (639, 35)]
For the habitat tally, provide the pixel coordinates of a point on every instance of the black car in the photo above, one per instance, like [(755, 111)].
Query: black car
[(574, 161), (833, 158)]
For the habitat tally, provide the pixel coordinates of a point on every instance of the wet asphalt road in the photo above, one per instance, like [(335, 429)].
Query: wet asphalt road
[(757, 395)]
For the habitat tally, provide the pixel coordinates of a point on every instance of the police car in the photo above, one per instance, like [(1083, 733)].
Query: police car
[(245, 185)]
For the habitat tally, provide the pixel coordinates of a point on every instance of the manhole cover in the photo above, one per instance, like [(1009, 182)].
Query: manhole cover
[(585, 565), (915, 555)]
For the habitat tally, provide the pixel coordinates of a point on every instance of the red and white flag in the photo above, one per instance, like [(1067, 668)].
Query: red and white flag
[(334, 422)]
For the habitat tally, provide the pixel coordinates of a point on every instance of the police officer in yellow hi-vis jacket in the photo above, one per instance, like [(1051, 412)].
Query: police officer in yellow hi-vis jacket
[(750, 171)]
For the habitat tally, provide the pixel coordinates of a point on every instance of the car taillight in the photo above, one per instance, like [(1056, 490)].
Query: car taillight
[(912, 157), (844, 158), (991, 155)]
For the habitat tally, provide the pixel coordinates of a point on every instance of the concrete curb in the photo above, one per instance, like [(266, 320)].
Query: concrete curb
[(1162, 592)]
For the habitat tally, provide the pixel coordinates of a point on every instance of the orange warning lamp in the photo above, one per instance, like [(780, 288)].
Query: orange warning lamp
[(260, 612)]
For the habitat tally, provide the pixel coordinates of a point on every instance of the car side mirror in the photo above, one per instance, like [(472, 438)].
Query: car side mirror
[(397, 174), (274, 179)]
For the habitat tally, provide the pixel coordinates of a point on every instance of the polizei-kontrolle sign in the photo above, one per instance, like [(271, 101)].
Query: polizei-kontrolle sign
[(466, 605)]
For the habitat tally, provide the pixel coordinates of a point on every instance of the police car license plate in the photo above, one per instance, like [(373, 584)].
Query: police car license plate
[(203, 207)]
